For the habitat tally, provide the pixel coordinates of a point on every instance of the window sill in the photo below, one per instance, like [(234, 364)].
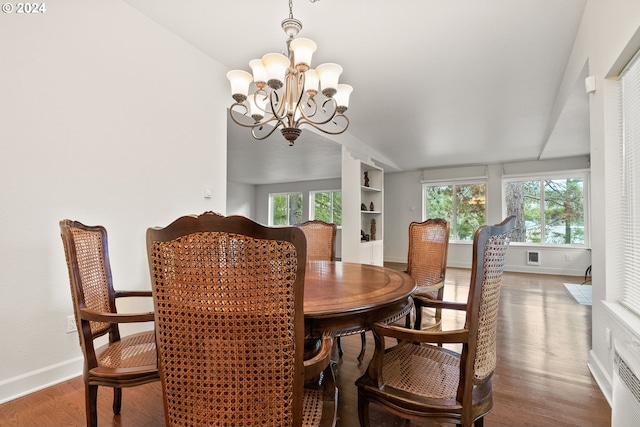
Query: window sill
[(625, 318)]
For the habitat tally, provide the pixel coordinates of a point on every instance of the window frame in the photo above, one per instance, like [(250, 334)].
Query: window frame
[(555, 175), (454, 183), (627, 292), (312, 204), (271, 207)]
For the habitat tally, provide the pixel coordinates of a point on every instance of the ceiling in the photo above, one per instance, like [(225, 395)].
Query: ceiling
[(436, 83)]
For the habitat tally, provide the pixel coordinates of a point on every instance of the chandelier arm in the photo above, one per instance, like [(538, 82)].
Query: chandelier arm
[(313, 104), (280, 112), (260, 92), (320, 128), (308, 119), (260, 138), (255, 124)]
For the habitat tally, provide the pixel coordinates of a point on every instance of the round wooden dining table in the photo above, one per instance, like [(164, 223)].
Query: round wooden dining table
[(345, 298)]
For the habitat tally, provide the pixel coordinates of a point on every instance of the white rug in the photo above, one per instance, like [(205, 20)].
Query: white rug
[(581, 293)]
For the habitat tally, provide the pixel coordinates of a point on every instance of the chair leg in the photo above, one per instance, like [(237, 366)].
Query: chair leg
[(363, 411), (91, 401), (418, 325), (117, 400), (363, 340)]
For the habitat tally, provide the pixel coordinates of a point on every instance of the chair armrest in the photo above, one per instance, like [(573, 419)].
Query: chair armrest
[(96, 316), (420, 290), (314, 366), (418, 336), (119, 294), (424, 301)]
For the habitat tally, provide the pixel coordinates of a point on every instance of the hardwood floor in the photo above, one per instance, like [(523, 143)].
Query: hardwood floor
[(542, 377)]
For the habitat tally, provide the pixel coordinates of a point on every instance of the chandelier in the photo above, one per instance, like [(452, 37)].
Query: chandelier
[(286, 91)]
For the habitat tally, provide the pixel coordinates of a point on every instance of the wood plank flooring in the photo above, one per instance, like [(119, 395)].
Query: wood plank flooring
[(542, 378)]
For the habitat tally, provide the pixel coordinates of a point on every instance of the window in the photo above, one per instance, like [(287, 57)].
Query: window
[(463, 205), (285, 208), (630, 223), (549, 211), (327, 206)]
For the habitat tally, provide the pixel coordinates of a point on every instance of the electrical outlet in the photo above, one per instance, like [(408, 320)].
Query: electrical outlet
[(71, 324)]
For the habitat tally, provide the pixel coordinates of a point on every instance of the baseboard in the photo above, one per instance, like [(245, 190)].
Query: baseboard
[(601, 376), (24, 384), (527, 269)]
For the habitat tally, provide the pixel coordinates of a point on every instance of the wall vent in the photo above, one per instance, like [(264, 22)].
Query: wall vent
[(533, 257)]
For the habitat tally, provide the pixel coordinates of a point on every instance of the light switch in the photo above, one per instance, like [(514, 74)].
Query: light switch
[(207, 191)]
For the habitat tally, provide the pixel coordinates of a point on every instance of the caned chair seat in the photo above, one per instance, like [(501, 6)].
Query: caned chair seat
[(423, 370), (131, 355)]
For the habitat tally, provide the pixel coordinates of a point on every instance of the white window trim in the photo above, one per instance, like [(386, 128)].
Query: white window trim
[(271, 195), (585, 174), (312, 201)]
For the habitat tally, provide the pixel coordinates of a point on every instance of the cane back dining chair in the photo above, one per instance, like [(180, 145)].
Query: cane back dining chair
[(321, 240), (124, 361), (427, 264), (420, 381), (321, 246), (228, 297)]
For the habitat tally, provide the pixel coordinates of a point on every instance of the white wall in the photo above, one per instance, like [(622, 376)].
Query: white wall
[(241, 199), (109, 119), (608, 37), (403, 204)]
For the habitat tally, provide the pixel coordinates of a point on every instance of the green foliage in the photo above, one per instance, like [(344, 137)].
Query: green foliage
[(287, 209), (462, 205), (328, 206)]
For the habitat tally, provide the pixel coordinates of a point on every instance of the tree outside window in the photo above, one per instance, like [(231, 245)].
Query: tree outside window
[(286, 209), (463, 205), (327, 206), (547, 211)]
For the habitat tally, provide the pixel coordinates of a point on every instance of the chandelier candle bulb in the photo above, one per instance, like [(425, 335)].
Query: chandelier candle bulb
[(257, 106), (329, 74), (303, 50), (259, 73), (342, 97), (276, 65), (311, 82), (240, 81)]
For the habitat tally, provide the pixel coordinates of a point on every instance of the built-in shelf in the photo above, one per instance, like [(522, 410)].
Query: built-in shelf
[(361, 191)]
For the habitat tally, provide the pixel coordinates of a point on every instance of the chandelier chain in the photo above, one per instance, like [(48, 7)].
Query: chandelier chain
[(291, 7)]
